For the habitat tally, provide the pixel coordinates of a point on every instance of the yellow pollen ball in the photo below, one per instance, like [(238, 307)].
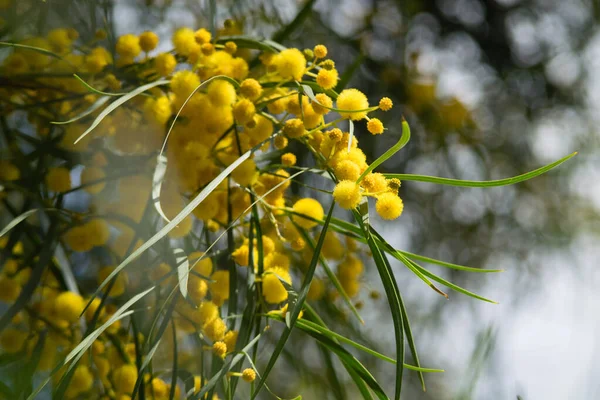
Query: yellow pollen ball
[(221, 93), (385, 104), (294, 128), (165, 64), (374, 182), (124, 378), (202, 36), (220, 349), (251, 89), (290, 64), (347, 194), (68, 306), (215, 329), (128, 46), (320, 51), (311, 208), (58, 179), (184, 41), (350, 100), (389, 206), (148, 41), (375, 126), (327, 79), (273, 290), (183, 83), (347, 170), (91, 174), (219, 289), (323, 104), (288, 159), (243, 111), (12, 340), (280, 142), (81, 381), (248, 375)]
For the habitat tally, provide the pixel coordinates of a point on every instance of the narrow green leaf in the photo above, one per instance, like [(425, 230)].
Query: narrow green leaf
[(16, 221), (391, 151), (94, 90), (298, 306), (32, 48), (447, 264), (183, 271), (497, 182), (121, 100)]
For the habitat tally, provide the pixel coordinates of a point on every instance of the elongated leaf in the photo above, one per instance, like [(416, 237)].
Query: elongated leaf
[(183, 271), (447, 264), (392, 293), (16, 221), (248, 42), (391, 151), (94, 90), (120, 101), (298, 306), (97, 104), (497, 182), (350, 134), (32, 48), (157, 180)]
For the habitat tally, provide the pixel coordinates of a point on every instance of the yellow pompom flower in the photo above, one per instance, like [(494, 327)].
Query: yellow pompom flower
[(78, 238), (347, 170), (230, 340), (273, 290), (347, 194), (128, 46), (221, 93), (250, 89), (389, 206), (280, 142), (148, 41), (215, 329), (91, 174), (294, 128), (97, 59), (98, 231), (350, 100), (290, 64), (288, 159), (219, 349), (207, 311), (316, 290), (323, 104), (219, 288), (183, 83), (68, 306), (245, 174), (202, 36), (375, 126), (309, 207), (249, 375), (165, 64), (9, 171), (120, 284), (197, 288), (374, 182), (243, 111), (320, 51), (184, 41), (58, 179), (158, 109), (385, 104), (62, 39), (81, 381), (12, 340), (124, 378), (327, 78)]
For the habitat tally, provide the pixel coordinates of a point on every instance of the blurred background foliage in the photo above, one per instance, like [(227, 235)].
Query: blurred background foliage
[(491, 88)]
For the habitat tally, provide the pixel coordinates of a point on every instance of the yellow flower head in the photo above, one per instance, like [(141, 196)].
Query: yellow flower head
[(128, 46), (311, 208), (280, 142), (215, 329), (184, 41), (245, 174), (290, 64), (251, 89), (385, 104), (58, 179), (375, 126), (221, 93), (183, 83), (347, 194), (323, 104), (320, 51), (389, 206), (219, 349), (294, 128), (352, 99), (148, 41), (220, 287), (243, 111), (124, 378), (165, 64), (68, 306), (327, 79), (374, 182), (288, 159), (273, 290), (202, 36), (347, 170), (248, 375)]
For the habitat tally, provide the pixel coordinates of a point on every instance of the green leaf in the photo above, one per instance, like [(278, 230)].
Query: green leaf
[(97, 104), (248, 42), (447, 264), (391, 151), (392, 294), (121, 100), (498, 182), (33, 48), (298, 306), (94, 90), (16, 221), (183, 271)]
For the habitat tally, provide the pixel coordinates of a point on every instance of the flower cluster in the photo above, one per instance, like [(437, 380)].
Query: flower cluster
[(209, 100)]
